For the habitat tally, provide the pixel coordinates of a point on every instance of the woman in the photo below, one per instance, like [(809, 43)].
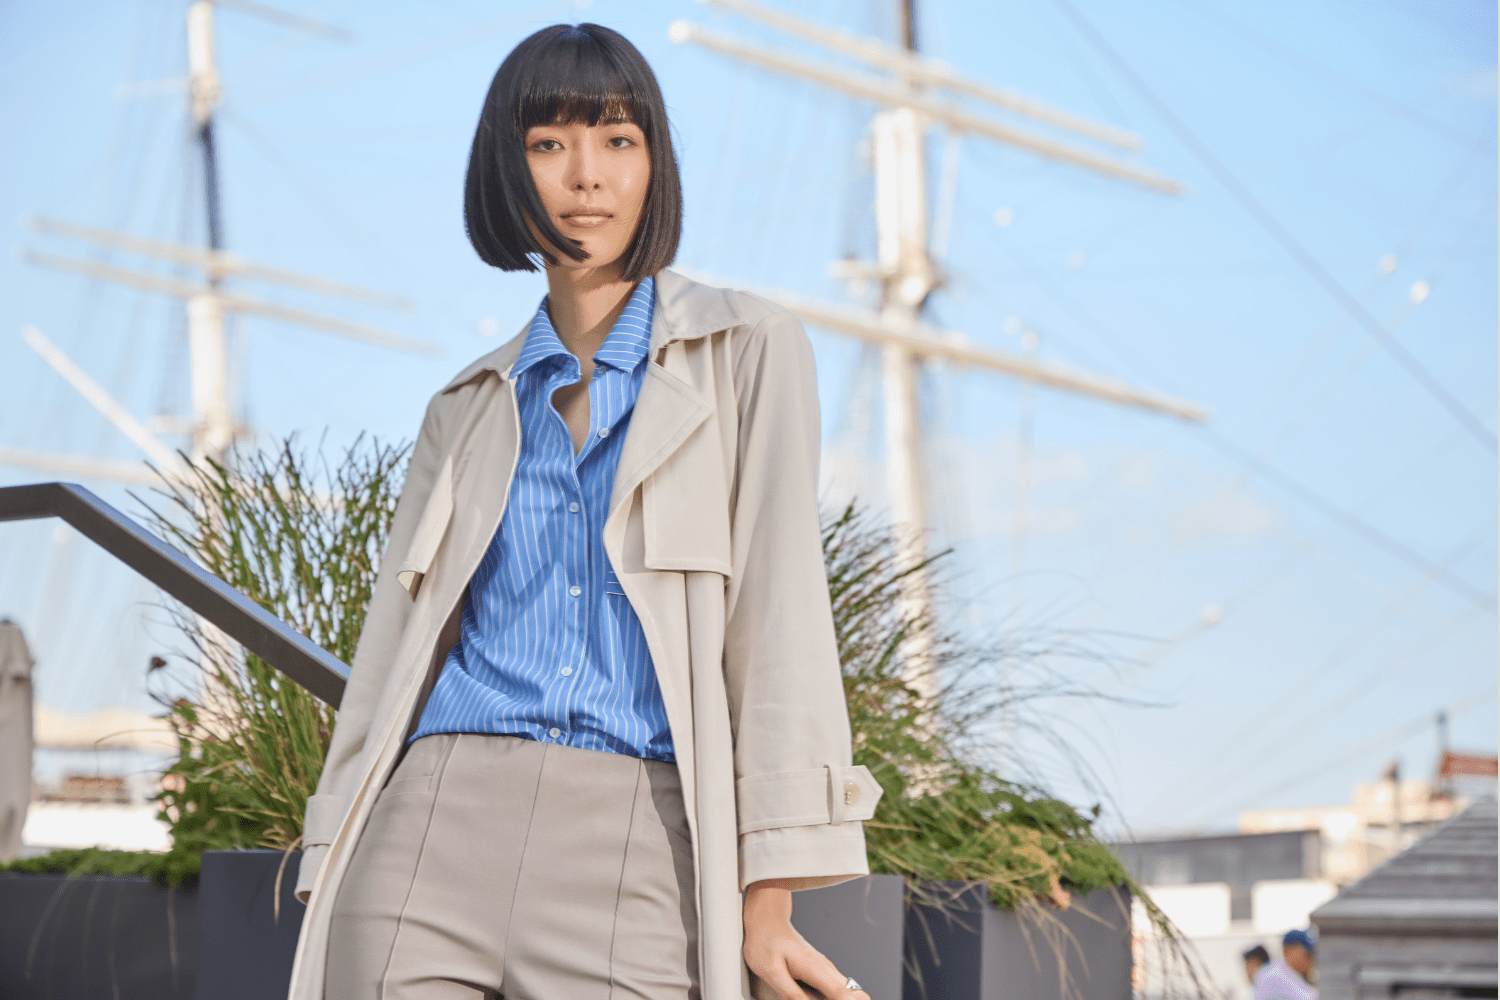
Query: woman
[(594, 733)]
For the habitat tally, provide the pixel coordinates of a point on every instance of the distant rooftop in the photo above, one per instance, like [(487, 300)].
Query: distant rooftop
[(1444, 883)]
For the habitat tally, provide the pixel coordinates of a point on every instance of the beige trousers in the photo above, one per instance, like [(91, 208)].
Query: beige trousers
[(495, 866)]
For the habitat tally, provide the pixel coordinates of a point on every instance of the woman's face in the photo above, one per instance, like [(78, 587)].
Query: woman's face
[(592, 181)]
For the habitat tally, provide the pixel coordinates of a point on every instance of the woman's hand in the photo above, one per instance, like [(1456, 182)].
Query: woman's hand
[(776, 953)]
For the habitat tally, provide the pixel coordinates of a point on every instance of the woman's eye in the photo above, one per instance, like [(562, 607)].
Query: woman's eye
[(546, 145), (620, 142)]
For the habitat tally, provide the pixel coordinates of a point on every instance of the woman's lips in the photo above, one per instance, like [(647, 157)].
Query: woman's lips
[(587, 220)]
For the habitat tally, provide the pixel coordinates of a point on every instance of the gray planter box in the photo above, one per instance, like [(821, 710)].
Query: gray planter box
[(127, 939), (961, 947), (860, 926), (221, 940), (245, 949), (965, 947), (96, 936)]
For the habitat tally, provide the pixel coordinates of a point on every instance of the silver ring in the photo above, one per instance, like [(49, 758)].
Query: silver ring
[(852, 985)]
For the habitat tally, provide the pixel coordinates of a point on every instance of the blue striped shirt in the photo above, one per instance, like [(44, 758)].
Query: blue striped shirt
[(550, 648)]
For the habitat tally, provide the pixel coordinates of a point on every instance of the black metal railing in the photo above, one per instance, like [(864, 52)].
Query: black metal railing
[(207, 596)]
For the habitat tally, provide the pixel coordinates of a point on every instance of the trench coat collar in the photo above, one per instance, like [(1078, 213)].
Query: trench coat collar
[(685, 310)]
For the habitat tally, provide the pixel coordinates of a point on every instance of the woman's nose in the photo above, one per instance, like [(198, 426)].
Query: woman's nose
[(583, 170)]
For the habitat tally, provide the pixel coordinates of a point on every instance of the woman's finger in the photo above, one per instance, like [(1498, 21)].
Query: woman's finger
[(785, 986), (814, 969)]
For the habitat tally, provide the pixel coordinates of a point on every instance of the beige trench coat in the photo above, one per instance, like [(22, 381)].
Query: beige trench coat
[(713, 531)]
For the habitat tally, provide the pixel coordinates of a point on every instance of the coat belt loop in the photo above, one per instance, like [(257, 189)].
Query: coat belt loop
[(835, 795)]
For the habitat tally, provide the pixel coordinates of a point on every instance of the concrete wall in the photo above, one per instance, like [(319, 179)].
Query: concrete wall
[(1237, 860)]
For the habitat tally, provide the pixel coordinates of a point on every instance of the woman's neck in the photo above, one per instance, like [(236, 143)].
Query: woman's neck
[(583, 304)]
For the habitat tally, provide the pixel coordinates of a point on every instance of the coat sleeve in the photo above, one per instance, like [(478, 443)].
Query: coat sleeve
[(800, 802), (385, 621)]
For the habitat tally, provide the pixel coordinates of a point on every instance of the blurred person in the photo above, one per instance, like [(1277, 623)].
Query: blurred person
[(1255, 959), (1289, 978), (594, 733)]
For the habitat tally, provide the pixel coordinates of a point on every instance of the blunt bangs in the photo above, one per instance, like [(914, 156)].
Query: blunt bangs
[(578, 83), (567, 74)]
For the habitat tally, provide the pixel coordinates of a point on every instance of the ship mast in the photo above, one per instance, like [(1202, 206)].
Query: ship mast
[(908, 277), (911, 102), (212, 428)]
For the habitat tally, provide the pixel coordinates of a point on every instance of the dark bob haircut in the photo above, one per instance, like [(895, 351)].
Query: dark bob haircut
[(566, 74)]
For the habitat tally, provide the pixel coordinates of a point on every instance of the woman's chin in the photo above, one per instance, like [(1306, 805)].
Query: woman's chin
[(599, 258)]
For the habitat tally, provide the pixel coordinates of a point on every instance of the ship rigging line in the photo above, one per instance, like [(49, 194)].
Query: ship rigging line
[(1311, 546), (1390, 737), (1242, 749), (1273, 227), (1312, 67), (120, 181), (1259, 466), (1286, 433)]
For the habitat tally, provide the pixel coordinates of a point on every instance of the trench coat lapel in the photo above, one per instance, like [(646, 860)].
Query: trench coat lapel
[(669, 408)]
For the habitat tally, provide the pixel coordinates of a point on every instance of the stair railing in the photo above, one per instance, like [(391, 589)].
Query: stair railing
[(207, 596)]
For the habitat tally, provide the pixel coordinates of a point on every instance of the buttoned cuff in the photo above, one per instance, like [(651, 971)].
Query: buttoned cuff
[(312, 863), (815, 796), (811, 856)]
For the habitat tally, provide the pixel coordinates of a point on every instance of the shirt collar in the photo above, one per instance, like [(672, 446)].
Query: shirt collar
[(685, 310), (624, 348)]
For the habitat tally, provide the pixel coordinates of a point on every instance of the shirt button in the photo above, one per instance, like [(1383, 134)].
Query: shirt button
[(575, 590), (573, 507), (604, 432), (566, 671), (554, 732)]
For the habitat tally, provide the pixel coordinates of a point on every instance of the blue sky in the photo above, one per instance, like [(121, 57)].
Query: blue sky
[(1350, 571)]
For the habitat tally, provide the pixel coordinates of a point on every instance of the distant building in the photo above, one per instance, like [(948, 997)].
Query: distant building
[(1230, 892), (110, 812), (1226, 894), (1225, 869), (1421, 924), (1378, 823), (74, 809)]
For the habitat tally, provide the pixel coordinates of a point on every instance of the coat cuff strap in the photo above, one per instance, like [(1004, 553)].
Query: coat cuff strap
[(307, 873), (833, 794), (321, 821)]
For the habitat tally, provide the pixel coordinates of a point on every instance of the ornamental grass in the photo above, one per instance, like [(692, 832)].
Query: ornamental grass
[(303, 537), (948, 816)]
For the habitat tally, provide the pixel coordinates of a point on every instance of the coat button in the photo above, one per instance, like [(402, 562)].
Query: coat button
[(851, 792)]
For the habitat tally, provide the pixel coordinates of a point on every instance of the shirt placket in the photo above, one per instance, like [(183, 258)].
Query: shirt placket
[(576, 584), (600, 420)]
